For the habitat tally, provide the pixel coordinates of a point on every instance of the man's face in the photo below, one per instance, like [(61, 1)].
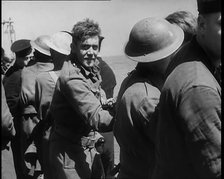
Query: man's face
[(26, 61), (212, 34), (29, 58), (87, 51), (22, 61)]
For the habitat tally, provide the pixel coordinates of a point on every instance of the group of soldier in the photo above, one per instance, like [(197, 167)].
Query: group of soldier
[(59, 111)]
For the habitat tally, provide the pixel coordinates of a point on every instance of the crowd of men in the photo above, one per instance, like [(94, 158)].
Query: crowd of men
[(59, 112)]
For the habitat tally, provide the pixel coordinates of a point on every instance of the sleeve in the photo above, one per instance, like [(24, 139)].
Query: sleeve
[(27, 103), (200, 114), (148, 117), (37, 97), (8, 129), (83, 100), (27, 94), (12, 86), (103, 95)]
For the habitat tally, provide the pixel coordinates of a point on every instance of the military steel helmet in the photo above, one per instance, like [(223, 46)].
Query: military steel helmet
[(60, 42), (152, 39), (40, 44)]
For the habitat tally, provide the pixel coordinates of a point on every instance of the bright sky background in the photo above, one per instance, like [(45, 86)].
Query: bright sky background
[(116, 17)]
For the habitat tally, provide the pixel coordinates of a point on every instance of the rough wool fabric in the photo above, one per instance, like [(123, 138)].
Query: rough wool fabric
[(209, 6)]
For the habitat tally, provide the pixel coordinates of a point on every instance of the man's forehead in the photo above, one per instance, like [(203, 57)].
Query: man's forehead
[(94, 39)]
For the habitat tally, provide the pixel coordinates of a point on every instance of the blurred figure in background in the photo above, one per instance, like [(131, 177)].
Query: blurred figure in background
[(186, 21), (152, 41), (27, 102), (5, 63), (108, 84), (12, 80), (108, 77), (7, 133), (12, 84), (189, 125)]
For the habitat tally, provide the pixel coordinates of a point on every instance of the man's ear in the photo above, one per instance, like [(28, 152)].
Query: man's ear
[(100, 41), (201, 23)]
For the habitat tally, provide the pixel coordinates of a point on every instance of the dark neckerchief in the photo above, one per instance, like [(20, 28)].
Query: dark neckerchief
[(92, 73)]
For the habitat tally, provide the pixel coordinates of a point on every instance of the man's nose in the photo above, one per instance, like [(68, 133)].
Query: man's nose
[(90, 51)]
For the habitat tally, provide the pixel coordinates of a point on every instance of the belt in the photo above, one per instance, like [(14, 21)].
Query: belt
[(85, 141)]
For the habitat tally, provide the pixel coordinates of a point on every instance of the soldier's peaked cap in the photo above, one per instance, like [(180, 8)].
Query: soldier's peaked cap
[(20, 45)]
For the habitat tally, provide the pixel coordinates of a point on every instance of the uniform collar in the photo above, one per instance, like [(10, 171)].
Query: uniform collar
[(92, 73)]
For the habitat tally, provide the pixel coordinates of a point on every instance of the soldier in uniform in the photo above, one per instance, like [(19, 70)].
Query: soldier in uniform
[(43, 63), (60, 49), (188, 138), (12, 84), (78, 109), (151, 43), (7, 134)]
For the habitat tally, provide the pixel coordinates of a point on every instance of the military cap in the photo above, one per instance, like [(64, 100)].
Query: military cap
[(40, 44), (152, 39), (209, 6), (20, 45), (60, 42)]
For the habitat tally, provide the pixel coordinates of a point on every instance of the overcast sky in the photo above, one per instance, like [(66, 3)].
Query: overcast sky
[(116, 17)]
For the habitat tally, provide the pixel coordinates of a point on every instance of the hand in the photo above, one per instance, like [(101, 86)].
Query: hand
[(109, 103)]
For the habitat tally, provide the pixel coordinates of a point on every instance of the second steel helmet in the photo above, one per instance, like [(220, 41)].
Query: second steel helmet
[(60, 42), (40, 44), (152, 39)]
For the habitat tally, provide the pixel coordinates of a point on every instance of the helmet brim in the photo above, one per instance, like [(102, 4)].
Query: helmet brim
[(54, 47), (135, 55), (41, 50)]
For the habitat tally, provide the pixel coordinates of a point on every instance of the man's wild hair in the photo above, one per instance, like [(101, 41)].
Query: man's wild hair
[(85, 29)]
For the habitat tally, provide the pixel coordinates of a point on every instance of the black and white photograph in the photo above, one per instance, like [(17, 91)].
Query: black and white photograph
[(111, 89)]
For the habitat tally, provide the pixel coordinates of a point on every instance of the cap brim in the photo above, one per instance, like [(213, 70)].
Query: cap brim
[(41, 50), (159, 54)]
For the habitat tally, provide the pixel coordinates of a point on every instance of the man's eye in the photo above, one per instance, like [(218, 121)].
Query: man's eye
[(85, 47), (95, 47)]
